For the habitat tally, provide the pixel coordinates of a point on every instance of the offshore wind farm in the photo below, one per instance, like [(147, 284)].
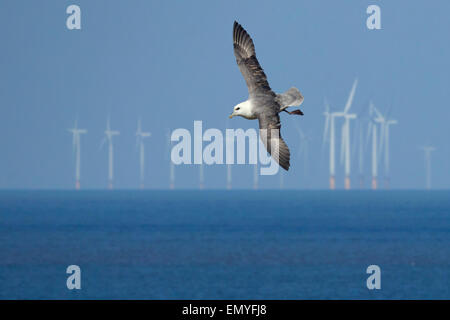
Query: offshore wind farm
[(375, 133), (368, 141)]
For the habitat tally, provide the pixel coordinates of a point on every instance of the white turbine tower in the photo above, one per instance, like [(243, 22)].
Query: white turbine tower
[(109, 135), (140, 136), (329, 125), (384, 142), (76, 144), (427, 152), (375, 118)]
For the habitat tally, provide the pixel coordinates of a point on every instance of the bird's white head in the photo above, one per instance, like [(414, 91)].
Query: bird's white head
[(243, 109)]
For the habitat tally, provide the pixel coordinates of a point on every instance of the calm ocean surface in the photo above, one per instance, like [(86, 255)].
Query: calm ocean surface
[(224, 244)]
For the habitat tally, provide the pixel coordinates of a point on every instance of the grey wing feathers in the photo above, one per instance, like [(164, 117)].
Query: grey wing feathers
[(244, 50), (290, 98), (269, 131)]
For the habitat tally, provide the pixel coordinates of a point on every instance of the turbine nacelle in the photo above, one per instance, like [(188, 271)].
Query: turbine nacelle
[(110, 133), (337, 114), (77, 131), (143, 134), (348, 116), (428, 148), (389, 122)]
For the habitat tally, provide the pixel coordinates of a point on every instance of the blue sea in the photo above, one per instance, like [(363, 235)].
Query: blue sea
[(225, 244)]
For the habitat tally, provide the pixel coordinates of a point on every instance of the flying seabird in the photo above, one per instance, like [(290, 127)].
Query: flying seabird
[(263, 104)]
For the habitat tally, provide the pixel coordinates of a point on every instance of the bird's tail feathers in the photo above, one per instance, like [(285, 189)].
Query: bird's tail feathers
[(290, 98)]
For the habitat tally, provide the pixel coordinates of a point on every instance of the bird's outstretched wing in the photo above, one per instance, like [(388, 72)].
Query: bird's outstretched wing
[(244, 50), (269, 131)]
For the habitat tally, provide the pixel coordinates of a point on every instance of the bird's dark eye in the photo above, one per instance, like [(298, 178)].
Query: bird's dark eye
[(237, 108)]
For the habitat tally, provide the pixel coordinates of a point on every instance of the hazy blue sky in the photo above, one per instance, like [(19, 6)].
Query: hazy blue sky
[(172, 62)]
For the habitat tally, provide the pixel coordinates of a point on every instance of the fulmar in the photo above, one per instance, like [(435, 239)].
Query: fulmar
[(263, 104)]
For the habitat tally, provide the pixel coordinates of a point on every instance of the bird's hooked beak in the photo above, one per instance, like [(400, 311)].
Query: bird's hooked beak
[(231, 115)]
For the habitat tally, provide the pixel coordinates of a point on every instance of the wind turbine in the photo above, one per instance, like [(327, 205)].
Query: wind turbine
[(345, 143), (329, 125), (140, 136), (427, 152), (375, 118), (384, 141), (77, 148), (345, 134), (109, 135)]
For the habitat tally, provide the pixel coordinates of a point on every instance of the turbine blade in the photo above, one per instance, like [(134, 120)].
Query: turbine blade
[(388, 112), (102, 143), (379, 115), (327, 105), (350, 97), (300, 131), (139, 130)]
